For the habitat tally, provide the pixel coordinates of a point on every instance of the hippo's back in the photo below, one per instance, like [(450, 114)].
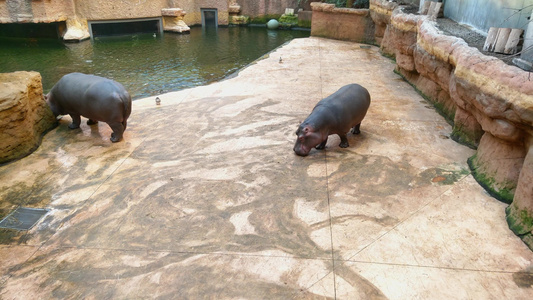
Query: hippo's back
[(91, 96), (347, 96), (349, 105)]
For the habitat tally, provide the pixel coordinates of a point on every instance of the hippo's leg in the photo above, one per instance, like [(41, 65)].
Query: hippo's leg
[(344, 141), (322, 145), (118, 130), (76, 120), (356, 129), (91, 122)]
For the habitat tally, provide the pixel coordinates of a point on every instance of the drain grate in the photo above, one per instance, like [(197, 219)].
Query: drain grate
[(23, 218)]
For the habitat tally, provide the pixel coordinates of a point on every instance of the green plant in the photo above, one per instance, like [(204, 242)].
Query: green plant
[(360, 4), (288, 19)]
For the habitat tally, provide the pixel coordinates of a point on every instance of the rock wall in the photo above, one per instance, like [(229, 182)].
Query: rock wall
[(36, 11), (489, 103), (257, 8), (60, 10), (94, 10), (76, 13), (24, 115), (381, 12), (193, 10), (342, 23)]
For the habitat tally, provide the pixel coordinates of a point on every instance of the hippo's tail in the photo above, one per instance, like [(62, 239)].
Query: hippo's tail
[(126, 102)]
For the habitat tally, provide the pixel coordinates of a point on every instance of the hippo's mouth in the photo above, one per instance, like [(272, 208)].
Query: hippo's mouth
[(301, 150)]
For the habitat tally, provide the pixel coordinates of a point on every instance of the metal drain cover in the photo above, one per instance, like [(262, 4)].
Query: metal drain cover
[(23, 218)]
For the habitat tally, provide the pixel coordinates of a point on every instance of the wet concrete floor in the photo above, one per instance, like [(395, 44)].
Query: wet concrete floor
[(205, 199)]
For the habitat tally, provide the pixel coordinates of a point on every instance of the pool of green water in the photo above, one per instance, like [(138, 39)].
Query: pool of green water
[(146, 64)]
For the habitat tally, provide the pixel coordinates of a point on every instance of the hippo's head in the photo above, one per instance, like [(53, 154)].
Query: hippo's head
[(307, 139)]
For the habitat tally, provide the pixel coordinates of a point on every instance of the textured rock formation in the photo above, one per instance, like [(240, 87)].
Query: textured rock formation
[(380, 12), (77, 30), (24, 115), (265, 8), (234, 17), (234, 8), (173, 20), (489, 103), (72, 15), (342, 23), (520, 212)]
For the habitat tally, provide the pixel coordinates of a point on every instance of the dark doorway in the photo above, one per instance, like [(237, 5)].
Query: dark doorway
[(129, 27), (30, 30), (209, 17)]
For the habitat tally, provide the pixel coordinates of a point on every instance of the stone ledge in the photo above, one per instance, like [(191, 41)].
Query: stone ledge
[(173, 20), (172, 12), (507, 91), (383, 7), (77, 30), (37, 20), (325, 7), (234, 9), (405, 22)]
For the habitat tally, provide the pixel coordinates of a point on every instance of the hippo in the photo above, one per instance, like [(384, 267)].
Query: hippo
[(94, 97), (335, 114)]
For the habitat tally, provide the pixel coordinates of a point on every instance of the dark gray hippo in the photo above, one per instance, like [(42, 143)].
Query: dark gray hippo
[(94, 97), (335, 114)]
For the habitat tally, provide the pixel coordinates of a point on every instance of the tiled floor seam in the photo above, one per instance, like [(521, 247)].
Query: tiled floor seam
[(327, 188), (316, 282), (408, 217), (330, 226), (235, 254), (434, 267)]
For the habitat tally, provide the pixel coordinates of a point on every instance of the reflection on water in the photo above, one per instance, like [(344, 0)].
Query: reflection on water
[(146, 64)]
